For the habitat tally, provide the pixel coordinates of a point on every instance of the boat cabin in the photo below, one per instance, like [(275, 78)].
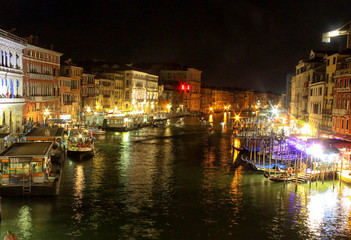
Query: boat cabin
[(46, 134), (25, 161)]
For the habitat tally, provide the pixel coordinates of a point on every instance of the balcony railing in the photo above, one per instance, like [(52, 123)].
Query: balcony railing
[(341, 111), (12, 37), (347, 89)]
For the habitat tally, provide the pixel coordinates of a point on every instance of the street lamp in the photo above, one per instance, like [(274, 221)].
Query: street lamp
[(46, 114)]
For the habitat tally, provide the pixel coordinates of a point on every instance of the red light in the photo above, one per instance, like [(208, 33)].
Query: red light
[(183, 86), (188, 87)]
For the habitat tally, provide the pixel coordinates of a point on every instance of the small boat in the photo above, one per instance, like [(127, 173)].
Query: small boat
[(80, 144), (97, 131), (345, 176), (279, 178)]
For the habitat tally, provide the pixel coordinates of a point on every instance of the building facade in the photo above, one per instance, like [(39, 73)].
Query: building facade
[(342, 98), (72, 101), (41, 84), (11, 77)]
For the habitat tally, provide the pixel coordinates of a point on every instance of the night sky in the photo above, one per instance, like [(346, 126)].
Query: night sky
[(248, 44)]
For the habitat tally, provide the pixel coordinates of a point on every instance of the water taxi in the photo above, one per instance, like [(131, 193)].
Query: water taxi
[(54, 135), (80, 144), (27, 170), (122, 123)]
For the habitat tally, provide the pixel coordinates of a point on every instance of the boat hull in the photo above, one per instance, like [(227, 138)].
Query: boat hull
[(80, 155), (345, 177)]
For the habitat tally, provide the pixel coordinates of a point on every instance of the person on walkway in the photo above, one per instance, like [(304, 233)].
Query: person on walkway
[(10, 236)]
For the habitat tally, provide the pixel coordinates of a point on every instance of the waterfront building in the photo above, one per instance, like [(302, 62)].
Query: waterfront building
[(72, 100), (140, 91), (206, 103), (331, 63), (316, 96), (187, 82), (246, 99), (41, 68), (11, 77), (342, 96), (261, 99), (88, 91), (112, 84), (220, 100), (105, 102), (65, 108), (305, 75)]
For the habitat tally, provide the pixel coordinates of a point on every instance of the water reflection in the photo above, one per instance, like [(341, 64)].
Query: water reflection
[(236, 193), (78, 193), (24, 223)]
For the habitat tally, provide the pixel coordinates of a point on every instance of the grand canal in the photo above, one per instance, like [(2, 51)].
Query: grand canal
[(176, 182)]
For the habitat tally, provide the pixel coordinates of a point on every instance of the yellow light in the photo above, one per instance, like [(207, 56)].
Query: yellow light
[(334, 33), (169, 106), (237, 117), (306, 129), (88, 109), (211, 108)]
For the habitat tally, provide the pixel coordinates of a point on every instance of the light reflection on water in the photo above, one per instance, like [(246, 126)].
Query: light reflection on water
[(176, 182)]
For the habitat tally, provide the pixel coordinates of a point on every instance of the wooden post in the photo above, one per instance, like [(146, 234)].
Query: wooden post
[(340, 172), (311, 170), (296, 172), (317, 175), (264, 155), (323, 174), (255, 151), (333, 175), (270, 156)]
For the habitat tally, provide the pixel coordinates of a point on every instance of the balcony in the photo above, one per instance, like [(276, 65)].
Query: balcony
[(67, 103), (348, 89), (8, 101), (341, 112), (42, 98), (327, 111), (41, 76)]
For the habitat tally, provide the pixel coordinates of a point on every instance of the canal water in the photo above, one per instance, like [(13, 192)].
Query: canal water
[(176, 182)]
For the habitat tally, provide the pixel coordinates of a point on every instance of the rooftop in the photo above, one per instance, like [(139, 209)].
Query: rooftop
[(47, 132), (27, 149)]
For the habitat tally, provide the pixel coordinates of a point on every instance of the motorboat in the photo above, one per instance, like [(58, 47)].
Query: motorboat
[(80, 144)]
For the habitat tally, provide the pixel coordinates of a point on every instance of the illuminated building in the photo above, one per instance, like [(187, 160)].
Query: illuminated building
[(71, 102), (331, 64), (206, 99), (342, 97), (11, 77), (183, 99), (88, 91), (106, 91), (220, 99), (41, 85), (310, 75), (140, 91)]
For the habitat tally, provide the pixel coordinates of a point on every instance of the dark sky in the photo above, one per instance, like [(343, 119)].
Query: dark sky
[(249, 44)]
